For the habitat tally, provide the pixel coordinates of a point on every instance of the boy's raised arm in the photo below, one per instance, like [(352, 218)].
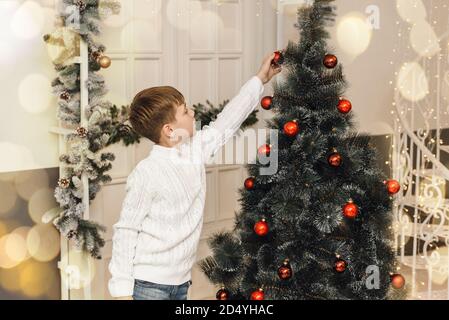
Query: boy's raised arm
[(135, 206), (228, 122)]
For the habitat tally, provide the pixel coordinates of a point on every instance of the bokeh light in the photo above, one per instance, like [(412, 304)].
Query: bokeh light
[(28, 182), (28, 20), (36, 278), (43, 242), (35, 93), (412, 82), (23, 233), (424, 40), (354, 34), (15, 247), (40, 202), (411, 10)]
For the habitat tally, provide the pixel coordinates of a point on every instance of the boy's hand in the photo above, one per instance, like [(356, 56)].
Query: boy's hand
[(268, 70), (124, 298)]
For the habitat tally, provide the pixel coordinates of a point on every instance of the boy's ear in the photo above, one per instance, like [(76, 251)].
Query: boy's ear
[(167, 131)]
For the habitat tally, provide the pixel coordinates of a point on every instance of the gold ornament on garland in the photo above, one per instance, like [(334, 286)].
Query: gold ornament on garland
[(81, 132), (104, 62)]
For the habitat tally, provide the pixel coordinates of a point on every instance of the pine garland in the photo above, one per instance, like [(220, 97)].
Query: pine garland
[(206, 115), (79, 20)]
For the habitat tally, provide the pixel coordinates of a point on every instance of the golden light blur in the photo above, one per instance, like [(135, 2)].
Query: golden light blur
[(3, 229), (40, 202), (28, 182), (43, 242), (412, 82), (36, 278), (35, 93), (15, 247), (23, 233), (5, 260), (354, 34)]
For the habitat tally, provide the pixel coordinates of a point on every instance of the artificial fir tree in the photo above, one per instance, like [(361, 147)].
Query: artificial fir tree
[(313, 229)]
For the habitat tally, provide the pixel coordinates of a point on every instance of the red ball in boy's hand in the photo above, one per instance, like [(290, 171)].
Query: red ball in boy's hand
[(278, 58)]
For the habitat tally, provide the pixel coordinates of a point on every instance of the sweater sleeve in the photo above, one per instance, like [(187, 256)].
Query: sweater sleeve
[(135, 207), (230, 119)]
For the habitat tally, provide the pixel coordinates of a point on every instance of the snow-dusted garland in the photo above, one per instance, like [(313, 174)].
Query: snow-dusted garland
[(79, 21)]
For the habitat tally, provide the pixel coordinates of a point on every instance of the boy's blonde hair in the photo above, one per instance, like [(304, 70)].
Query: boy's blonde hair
[(152, 108)]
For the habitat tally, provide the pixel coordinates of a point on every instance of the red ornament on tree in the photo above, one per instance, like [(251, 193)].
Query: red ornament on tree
[(335, 159), (261, 228), (278, 58), (340, 265), (397, 281), (291, 128), (264, 150), (222, 294), (267, 102), (285, 271), (258, 295), (393, 186), (350, 210), (330, 61), (344, 106), (250, 183)]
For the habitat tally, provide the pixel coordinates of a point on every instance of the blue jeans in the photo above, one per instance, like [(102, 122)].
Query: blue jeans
[(144, 290)]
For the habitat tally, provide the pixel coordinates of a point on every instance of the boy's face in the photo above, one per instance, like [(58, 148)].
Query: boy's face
[(185, 121)]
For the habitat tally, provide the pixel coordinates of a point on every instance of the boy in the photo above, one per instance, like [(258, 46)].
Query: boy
[(156, 237)]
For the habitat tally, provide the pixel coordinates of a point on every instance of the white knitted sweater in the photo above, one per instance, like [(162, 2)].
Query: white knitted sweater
[(157, 235)]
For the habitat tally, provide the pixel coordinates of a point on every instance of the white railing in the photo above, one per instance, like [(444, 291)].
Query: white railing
[(421, 210)]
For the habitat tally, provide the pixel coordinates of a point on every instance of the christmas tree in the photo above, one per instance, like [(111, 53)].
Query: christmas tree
[(320, 227)]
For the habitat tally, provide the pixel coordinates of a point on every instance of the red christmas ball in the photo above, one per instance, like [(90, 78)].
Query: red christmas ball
[(285, 271), (258, 295), (291, 128), (330, 61), (350, 210), (393, 186), (340, 265), (261, 228), (278, 58), (397, 281), (267, 102), (335, 159), (222, 294), (264, 150), (344, 106), (250, 183)]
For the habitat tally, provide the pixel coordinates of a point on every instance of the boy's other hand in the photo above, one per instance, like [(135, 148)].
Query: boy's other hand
[(268, 70), (124, 298)]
